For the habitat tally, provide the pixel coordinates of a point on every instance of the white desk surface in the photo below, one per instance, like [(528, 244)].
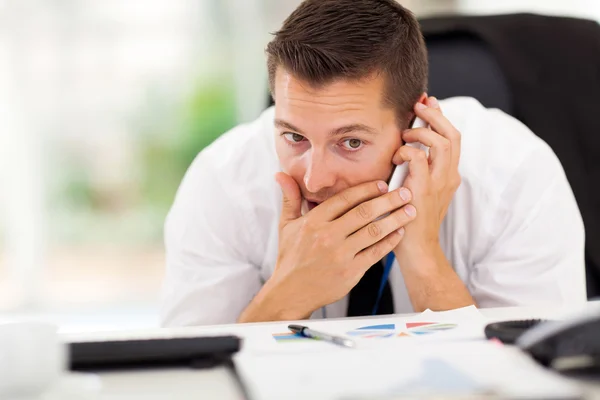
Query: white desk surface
[(219, 383)]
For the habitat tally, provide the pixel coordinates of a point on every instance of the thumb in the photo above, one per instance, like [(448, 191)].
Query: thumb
[(292, 198)]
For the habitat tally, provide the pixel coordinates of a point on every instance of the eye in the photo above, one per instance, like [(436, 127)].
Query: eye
[(352, 144), (293, 137)]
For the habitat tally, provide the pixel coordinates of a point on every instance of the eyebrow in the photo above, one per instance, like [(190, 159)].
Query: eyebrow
[(343, 130)]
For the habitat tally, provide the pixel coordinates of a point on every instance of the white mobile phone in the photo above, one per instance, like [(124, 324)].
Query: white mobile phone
[(401, 170)]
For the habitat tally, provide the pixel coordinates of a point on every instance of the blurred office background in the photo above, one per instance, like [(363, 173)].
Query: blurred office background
[(103, 105)]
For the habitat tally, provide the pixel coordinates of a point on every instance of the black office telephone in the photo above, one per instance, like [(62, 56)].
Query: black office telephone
[(573, 338), (547, 341)]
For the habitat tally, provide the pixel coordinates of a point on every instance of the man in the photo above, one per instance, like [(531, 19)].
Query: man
[(279, 219)]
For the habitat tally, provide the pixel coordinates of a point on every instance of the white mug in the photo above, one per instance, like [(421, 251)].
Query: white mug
[(32, 358)]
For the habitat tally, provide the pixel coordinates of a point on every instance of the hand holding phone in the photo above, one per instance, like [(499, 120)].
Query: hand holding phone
[(401, 171)]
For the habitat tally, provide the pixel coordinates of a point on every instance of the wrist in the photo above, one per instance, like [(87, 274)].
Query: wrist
[(431, 281), (271, 304), (423, 256)]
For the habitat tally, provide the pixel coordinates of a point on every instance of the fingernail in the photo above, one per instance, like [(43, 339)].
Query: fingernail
[(405, 194), (382, 186), (401, 231), (433, 102), (421, 106), (410, 210)]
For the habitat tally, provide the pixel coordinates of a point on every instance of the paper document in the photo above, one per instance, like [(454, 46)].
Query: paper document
[(480, 369)]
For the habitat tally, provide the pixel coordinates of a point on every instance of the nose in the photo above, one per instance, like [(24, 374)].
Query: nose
[(318, 175)]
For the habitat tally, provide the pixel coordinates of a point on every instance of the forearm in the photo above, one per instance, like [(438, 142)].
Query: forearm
[(432, 283), (270, 305)]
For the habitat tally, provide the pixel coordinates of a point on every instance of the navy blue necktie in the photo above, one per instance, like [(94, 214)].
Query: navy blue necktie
[(363, 296)]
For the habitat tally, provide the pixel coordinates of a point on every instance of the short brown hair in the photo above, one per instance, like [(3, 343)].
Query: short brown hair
[(325, 40)]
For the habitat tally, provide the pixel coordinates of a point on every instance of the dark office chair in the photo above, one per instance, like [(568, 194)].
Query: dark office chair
[(448, 77)]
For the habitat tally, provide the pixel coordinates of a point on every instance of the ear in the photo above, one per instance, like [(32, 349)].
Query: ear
[(412, 116)]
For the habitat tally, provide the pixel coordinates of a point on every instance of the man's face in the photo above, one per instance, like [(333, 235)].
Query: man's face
[(334, 137)]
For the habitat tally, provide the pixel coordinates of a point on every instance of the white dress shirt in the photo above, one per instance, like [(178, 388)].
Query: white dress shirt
[(513, 231)]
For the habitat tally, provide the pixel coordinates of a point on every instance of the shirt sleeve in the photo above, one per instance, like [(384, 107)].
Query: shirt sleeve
[(209, 276), (537, 254)]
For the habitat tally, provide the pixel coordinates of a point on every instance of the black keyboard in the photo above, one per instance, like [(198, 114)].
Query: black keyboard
[(197, 352)]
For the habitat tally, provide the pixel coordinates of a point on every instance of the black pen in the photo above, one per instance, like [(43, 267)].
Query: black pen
[(312, 334)]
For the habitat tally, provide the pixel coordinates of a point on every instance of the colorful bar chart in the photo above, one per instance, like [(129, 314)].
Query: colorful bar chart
[(381, 331)]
